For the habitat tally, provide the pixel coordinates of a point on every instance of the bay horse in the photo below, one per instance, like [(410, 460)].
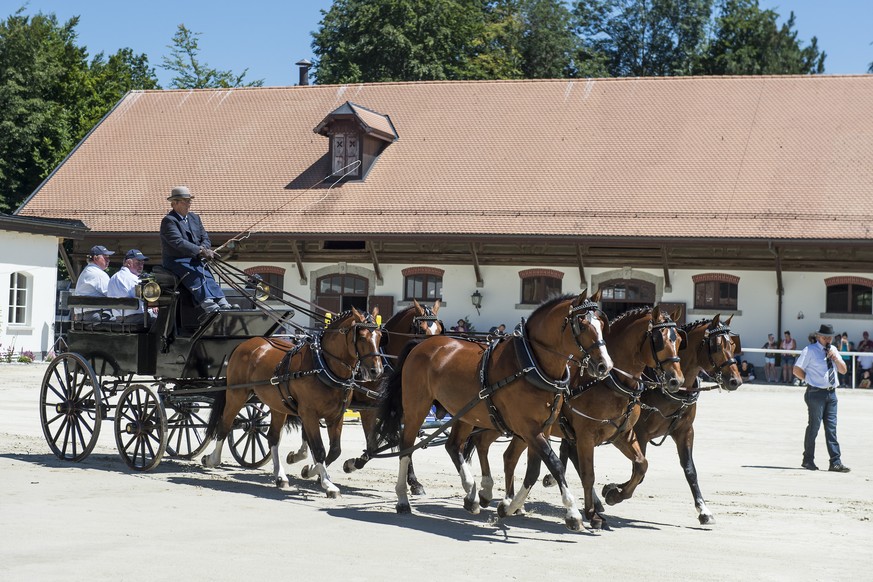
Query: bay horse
[(514, 384), (308, 381), (605, 411), (708, 346), (416, 321)]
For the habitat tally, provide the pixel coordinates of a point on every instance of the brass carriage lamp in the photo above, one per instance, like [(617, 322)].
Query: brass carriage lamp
[(476, 298)]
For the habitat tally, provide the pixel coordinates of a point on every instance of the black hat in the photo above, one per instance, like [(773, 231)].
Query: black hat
[(100, 250), (135, 254), (825, 329)]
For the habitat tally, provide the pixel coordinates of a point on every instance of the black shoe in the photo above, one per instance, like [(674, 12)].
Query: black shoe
[(809, 465), (839, 468)]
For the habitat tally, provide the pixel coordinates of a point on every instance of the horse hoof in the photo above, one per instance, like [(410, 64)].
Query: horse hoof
[(205, 461), (471, 505), (349, 466), (283, 484), (333, 494), (597, 522), (611, 494), (549, 481), (417, 489), (573, 523), (304, 472), (294, 457), (706, 519), (501, 509), (484, 501), (403, 508)]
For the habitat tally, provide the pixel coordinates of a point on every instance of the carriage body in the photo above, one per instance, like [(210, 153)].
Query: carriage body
[(141, 372)]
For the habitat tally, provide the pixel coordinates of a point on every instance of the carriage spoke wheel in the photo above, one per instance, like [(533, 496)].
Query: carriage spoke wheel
[(248, 437), (71, 407), (187, 427), (140, 427)]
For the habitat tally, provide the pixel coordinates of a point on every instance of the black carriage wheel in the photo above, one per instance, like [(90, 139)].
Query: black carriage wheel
[(70, 407), (187, 426), (140, 427), (248, 437)]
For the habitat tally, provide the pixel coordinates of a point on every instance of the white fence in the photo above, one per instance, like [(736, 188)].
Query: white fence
[(854, 369)]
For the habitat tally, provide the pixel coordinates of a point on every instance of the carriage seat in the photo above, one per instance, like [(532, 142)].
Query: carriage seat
[(103, 305)]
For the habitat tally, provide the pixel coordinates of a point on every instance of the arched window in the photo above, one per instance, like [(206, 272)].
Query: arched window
[(422, 283), (849, 295), (715, 291), (537, 285), (272, 276), (19, 290)]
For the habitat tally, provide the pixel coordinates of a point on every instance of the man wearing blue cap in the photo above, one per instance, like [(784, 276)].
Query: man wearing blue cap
[(93, 281), (185, 248), (123, 284)]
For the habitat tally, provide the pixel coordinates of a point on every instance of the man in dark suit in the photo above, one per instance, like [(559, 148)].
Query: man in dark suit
[(185, 249)]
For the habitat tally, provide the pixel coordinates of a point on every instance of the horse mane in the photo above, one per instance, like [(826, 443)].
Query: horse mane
[(342, 316), (549, 303), (398, 316), (628, 317), (695, 324)]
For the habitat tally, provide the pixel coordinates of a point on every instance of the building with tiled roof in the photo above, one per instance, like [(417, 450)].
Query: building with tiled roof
[(736, 194)]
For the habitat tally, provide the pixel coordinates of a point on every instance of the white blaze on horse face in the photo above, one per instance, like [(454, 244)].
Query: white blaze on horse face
[(597, 324), (433, 328)]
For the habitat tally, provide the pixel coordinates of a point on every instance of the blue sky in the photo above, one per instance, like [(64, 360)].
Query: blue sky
[(269, 36)]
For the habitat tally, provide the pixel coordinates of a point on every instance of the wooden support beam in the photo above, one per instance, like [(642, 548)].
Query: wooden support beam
[(580, 253), (479, 281), (666, 265), (299, 260), (72, 269), (375, 260)]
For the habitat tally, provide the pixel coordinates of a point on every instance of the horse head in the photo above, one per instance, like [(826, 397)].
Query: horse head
[(425, 321), (360, 335), (664, 339), (588, 325), (721, 346)]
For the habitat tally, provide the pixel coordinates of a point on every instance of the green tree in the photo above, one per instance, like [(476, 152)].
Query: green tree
[(496, 51), (548, 44), (191, 73), (641, 37), (51, 96), (748, 41), (398, 40)]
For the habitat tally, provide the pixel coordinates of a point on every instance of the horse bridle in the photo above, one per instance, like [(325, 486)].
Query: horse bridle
[(574, 318), (656, 341), (428, 317), (369, 324), (710, 339)]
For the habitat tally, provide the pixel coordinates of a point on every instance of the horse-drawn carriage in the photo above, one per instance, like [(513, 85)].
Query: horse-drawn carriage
[(156, 380)]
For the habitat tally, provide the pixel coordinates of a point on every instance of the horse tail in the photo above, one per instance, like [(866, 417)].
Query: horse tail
[(218, 404), (390, 415)]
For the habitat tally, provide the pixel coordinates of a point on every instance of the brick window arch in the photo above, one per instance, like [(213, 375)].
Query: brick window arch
[(849, 295), (716, 291), (422, 283), (272, 276), (537, 285)]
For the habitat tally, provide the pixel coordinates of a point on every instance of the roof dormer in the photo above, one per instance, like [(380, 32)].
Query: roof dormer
[(356, 134)]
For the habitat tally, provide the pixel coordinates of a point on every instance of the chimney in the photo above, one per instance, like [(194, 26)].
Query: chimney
[(304, 71)]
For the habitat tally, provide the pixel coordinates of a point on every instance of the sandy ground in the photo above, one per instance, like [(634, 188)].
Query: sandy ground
[(97, 520)]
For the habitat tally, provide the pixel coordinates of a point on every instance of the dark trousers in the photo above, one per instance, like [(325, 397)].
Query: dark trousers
[(822, 406), (196, 277)]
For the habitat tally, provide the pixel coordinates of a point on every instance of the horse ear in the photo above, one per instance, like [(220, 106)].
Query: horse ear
[(677, 314), (656, 313), (596, 297), (357, 313), (582, 296), (727, 321), (715, 320), (436, 306), (375, 311), (417, 306)]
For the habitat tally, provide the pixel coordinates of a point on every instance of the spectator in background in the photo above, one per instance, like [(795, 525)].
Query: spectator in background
[(747, 371), (498, 329), (788, 360), (846, 346), (865, 379), (770, 372), (865, 345), (461, 327)]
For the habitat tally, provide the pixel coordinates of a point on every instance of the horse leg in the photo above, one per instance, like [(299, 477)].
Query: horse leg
[(481, 442), (510, 461), (538, 452), (564, 450), (368, 425), (684, 446), (300, 454), (455, 448), (312, 432), (408, 434), (630, 447), (224, 411), (274, 435)]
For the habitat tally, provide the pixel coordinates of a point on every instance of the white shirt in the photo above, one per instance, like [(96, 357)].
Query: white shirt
[(123, 284), (93, 282)]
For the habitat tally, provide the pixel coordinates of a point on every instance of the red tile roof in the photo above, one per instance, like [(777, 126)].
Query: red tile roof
[(709, 157)]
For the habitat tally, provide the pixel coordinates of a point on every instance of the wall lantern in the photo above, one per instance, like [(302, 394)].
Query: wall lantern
[(476, 298)]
